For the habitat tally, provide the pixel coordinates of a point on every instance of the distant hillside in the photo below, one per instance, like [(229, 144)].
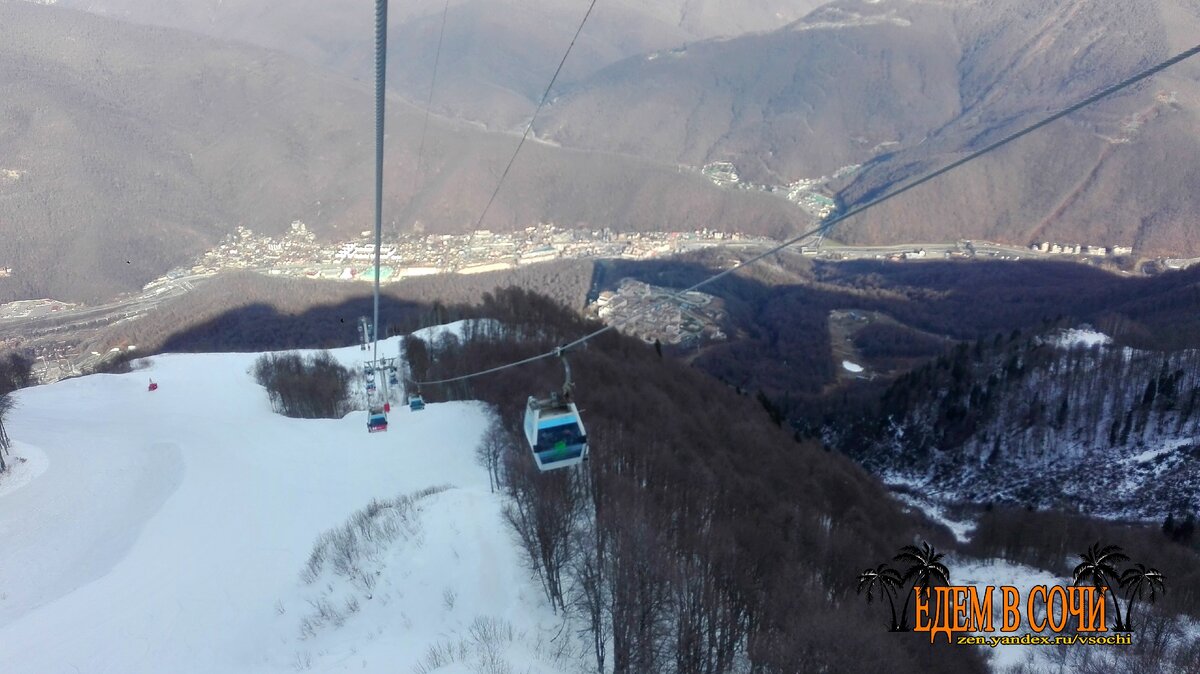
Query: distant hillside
[(782, 340), (904, 86), (797, 89), (498, 55), (978, 424), (969, 382), (798, 102), (248, 311), (1122, 172), (127, 150)]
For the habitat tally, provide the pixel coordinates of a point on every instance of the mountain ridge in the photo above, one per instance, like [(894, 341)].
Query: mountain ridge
[(931, 82), (499, 53), (137, 148)]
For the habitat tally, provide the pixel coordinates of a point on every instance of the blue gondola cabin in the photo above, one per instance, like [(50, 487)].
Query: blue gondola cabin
[(555, 433), (376, 420)]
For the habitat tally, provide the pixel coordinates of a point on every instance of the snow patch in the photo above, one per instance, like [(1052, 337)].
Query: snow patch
[(1074, 337), (25, 462), (835, 18), (851, 367), (458, 329), (997, 573), (443, 591), (1167, 447), (960, 528)]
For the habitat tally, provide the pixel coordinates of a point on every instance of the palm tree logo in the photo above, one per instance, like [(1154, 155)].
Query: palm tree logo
[(925, 570), (1139, 581), (888, 582), (1098, 566)]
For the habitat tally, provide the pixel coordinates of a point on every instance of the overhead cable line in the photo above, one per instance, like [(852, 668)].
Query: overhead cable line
[(827, 225), (529, 127), (437, 58)]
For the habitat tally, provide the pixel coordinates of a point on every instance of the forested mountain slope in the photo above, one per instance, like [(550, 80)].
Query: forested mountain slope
[(1065, 421)]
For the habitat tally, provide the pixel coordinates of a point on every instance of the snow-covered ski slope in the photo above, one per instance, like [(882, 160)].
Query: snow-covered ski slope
[(168, 532)]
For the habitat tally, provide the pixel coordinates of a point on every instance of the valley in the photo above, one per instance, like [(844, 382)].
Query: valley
[(269, 121), (764, 322), (69, 339), (224, 135)]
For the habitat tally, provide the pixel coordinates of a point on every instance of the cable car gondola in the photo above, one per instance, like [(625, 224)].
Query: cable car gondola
[(554, 429), (376, 420)]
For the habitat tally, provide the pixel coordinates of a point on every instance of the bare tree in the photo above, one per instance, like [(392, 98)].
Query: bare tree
[(6, 404), (16, 371), (640, 592), (315, 387), (543, 510), (495, 440), (590, 591)]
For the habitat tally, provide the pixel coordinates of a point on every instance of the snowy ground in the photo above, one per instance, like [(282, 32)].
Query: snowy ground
[(457, 328), (167, 532), (1081, 337), (24, 463), (966, 570), (960, 528), (996, 572)]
